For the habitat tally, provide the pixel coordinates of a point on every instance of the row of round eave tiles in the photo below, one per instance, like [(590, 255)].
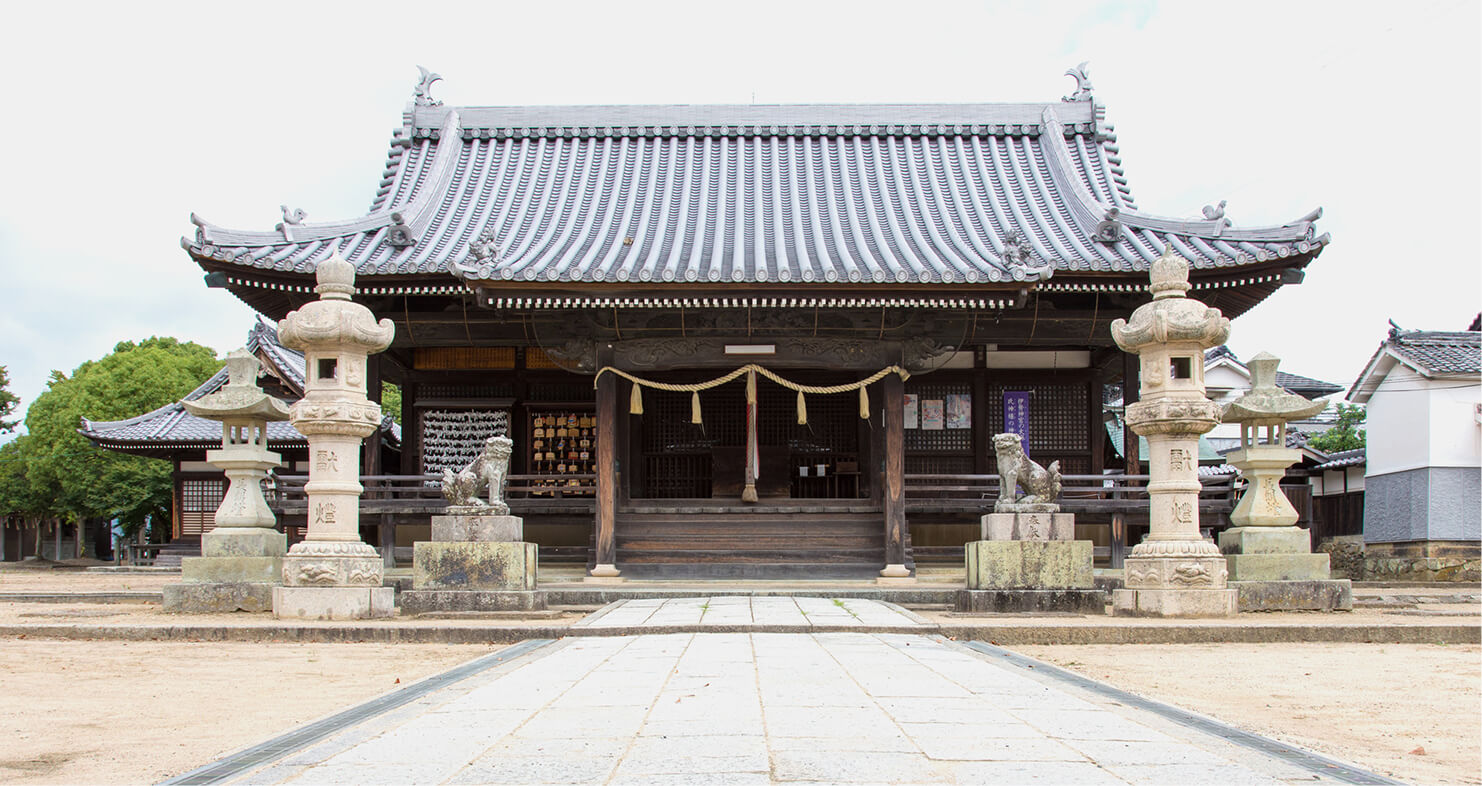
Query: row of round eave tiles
[(1025, 129), (243, 256)]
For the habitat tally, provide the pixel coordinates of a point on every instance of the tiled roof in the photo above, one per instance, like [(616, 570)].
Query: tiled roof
[(725, 194), (171, 426), (1440, 352), (1295, 383), (1344, 458)]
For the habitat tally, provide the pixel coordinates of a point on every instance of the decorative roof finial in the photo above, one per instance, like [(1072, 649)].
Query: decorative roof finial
[(1216, 213), (295, 216), (1020, 260), (422, 94), (1082, 83), (398, 234)]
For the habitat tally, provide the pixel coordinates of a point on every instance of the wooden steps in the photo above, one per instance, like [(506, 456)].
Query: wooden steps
[(764, 542)]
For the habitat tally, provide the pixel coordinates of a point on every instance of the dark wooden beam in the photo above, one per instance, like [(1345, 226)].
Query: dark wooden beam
[(1131, 384)]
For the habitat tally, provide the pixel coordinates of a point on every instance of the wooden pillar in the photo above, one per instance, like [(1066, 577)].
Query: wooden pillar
[(411, 429), (386, 535), (895, 479), (1118, 540), (1131, 384), (370, 453), (605, 560), (1095, 421), (982, 430)]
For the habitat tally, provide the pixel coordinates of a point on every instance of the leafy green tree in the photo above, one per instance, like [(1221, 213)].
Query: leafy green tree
[(391, 401), (8, 401), (18, 498), (1345, 434), (79, 481)]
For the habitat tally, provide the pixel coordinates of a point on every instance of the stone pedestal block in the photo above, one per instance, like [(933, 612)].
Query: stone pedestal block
[(431, 601), (333, 565), (1329, 595), (244, 542), (476, 528), (1278, 567), (333, 603), (1265, 540), (218, 597), (232, 570), (1021, 601), (1175, 602), (474, 566), (1029, 565), (1028, 526)]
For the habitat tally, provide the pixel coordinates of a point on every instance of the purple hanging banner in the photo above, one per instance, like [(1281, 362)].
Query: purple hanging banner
[(1016, 415)]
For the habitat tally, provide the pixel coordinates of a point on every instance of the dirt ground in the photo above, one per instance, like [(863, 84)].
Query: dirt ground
[(1374, 705), (138, 712)]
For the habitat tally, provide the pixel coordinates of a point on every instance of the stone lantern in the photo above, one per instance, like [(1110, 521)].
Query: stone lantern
[(1270, 559), (332, 574), (242, 557), (1174, 572)]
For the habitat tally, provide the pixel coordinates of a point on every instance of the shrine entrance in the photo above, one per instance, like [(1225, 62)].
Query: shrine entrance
[(822, 459)]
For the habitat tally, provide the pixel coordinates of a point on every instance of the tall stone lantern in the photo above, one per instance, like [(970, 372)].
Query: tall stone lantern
[(242, 556), (332, 574), (1271, 561), (1174, 572)]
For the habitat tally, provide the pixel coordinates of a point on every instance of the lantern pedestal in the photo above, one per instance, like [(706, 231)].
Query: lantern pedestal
[(475, 563)]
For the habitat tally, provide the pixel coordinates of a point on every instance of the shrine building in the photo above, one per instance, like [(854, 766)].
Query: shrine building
[(750, 341)]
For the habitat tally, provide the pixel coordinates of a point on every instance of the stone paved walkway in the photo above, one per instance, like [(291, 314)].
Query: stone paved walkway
[(733, 612), (738, 708)]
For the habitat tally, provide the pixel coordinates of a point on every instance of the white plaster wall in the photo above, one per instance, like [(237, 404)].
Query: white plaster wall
[(1355, 478), (1455, 434), (1398, 425), (1223, 385)]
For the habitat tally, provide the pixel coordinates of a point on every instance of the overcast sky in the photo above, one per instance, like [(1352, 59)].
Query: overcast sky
[(125, 117)]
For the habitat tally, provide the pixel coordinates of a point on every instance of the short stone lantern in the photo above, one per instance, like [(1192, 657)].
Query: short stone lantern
[(242, 557), (1174, 572), (332, 574), (1270, 559)]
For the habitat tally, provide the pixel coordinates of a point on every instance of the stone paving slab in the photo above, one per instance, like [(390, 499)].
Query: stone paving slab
[(739, 612), (831, 706)]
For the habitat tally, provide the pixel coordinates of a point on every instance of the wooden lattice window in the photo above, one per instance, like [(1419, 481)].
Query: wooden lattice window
[(441, 358), (1057, 416), (931, 433), (199, 499)]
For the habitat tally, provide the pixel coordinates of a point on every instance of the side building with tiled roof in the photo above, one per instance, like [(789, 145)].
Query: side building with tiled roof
[(1423, 477), (983, 249), (175, 435)]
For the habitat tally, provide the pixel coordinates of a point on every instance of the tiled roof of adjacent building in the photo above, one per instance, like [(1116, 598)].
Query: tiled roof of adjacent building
[(1295, 383), (1432, 353), (171, 426), (1440, 352), (1344, 458), (810, 194)]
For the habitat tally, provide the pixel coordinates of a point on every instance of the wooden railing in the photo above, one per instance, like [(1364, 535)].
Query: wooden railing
[(1079, 493), (424, 494)]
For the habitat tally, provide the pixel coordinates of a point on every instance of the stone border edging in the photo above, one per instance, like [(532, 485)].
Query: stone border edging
[(1007, 634), (120, 596), (277, 748)]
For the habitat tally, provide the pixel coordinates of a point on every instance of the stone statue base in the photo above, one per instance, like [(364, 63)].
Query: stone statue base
[(1273, 569), (237, 570), (337, 580), (1175, 579), (1028, 525), (334, 603), (1030, 575), (474, 563)]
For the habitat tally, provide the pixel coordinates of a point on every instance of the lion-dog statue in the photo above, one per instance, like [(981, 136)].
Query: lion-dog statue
[(462, 489), (1041, 484)]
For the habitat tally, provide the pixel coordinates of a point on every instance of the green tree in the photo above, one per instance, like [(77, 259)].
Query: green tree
[(391, 401), (1345, 434), (79, 481), (8, 401), (18, 498)]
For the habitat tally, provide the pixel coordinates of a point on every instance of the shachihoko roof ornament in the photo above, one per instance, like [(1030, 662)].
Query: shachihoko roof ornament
[(422, 93), (1082, 78)]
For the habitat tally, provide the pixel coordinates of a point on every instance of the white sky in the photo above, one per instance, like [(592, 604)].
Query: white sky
[(124, 118)]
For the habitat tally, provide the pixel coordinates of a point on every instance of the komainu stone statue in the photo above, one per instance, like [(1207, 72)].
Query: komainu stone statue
[(463, 488), (1041, 484)]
